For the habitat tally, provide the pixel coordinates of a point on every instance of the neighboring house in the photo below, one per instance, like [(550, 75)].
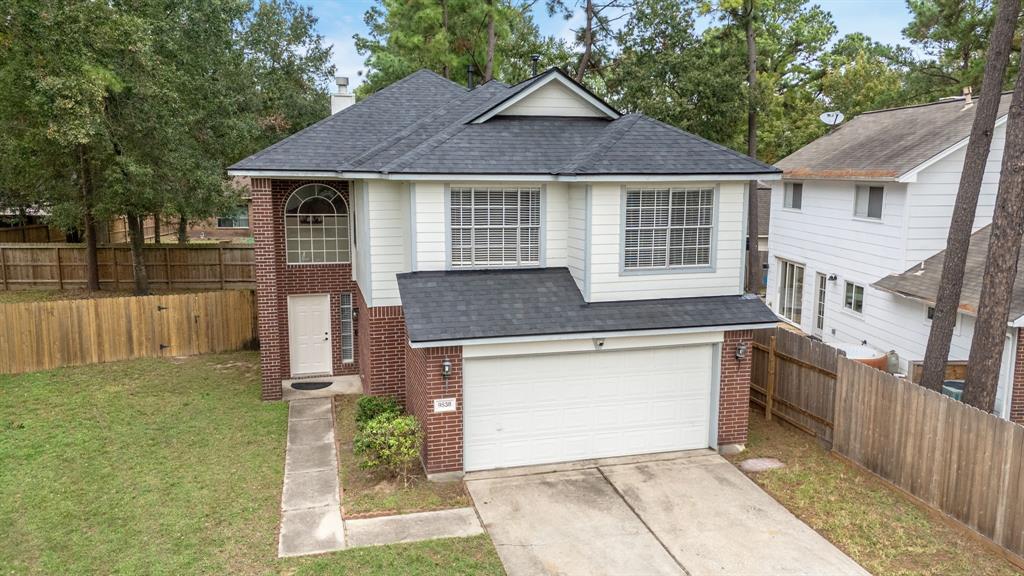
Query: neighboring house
[(764, 217), (538, 277), (871, 199)]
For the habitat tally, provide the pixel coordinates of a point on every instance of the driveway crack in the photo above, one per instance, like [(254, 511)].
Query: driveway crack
[(642, 521)]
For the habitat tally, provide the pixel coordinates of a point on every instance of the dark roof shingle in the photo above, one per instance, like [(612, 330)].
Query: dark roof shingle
[(474, 304), (423, 124)]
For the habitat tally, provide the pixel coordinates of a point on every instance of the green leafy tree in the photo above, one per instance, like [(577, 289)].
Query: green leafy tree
[(859, 74)]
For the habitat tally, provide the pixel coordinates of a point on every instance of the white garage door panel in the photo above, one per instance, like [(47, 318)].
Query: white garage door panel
[(523, 410)]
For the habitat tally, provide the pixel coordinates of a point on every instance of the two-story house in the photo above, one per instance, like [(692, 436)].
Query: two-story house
[(538, 277), (867, 204)]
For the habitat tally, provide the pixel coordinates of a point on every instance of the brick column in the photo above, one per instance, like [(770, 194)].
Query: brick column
[(734, 389), (384, 344), (266, 242), (442, 445), (1017, 390)]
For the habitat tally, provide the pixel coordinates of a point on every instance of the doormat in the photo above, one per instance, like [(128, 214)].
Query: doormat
[(310, 385)]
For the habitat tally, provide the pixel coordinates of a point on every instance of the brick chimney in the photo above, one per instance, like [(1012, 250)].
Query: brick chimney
[(341, 99)]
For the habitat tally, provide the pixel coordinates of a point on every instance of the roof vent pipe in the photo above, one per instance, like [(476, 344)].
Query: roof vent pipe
[(469, 76), (967, 96)]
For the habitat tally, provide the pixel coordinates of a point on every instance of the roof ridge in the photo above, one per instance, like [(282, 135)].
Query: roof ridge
[(614, 132), (442, 136), (341, 113), (945, 100)]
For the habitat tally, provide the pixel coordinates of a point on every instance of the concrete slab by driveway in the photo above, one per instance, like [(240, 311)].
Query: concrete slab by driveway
[(566, 523), (693, 514), (715, 520), (455, 523)]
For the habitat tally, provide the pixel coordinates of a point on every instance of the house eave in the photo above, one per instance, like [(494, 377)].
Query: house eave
[(484, 177), (585, 335)]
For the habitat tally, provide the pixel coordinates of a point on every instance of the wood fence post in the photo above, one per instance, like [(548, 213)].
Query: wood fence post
[(60, 271), (3, 267), (167, 267), (117, 270), (769, 397), (220, 263)]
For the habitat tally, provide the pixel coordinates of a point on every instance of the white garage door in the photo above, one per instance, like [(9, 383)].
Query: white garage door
[(523, 410)]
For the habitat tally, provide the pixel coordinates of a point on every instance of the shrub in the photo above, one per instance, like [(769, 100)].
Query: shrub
[(370, 407), (389, 443)]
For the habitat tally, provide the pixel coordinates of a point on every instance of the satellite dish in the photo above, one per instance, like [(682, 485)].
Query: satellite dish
[(832, 118)]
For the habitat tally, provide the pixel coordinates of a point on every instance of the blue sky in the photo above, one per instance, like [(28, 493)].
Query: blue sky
[(883, 20)]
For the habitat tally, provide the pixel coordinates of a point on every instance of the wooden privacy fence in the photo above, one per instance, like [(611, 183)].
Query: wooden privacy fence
[(60, 266), (31, 233), (794, 378), (946, 454), (42, 335)]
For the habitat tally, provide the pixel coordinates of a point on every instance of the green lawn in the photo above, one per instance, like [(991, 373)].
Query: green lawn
[(861, 514), (369, 493), (162, 466)]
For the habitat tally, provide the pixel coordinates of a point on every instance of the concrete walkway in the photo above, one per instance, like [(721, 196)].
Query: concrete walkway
[(311, 521), (311, 502)]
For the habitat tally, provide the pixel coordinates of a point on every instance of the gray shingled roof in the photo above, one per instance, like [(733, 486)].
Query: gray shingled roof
[(922, 281), (887, 143), (423, 124), (471, 304)]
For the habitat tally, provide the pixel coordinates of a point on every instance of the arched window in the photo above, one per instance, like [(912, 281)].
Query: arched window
[(316, 226)]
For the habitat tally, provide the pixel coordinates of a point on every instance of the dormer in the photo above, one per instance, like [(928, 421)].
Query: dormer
[(551, 93)]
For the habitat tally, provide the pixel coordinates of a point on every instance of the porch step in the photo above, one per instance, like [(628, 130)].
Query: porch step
[(351, 384)]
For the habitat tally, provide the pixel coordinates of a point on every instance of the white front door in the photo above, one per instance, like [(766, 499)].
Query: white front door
[(522, 410), (309, 334)]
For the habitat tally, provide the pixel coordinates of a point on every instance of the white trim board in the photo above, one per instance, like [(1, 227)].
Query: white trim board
[(331, 175), (584, 335)]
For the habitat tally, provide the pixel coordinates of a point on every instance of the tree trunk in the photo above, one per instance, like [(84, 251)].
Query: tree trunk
[(136, 235), (753, 254), (947, 302), (92, 268), (156, 228), (1000, 265), (182, 230), (588, 41), (446, 72), (489, 66)]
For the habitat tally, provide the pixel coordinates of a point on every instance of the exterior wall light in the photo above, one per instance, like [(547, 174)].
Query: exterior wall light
[(446, 369), (832, 278), (741, 350)]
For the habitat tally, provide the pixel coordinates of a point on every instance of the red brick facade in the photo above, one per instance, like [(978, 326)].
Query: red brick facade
[(1017, 390), (442, 446), (381, 330), (734, 391), (276, 280)]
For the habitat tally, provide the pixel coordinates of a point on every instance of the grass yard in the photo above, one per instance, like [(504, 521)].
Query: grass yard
[(165, 466), (875, 525), (365, 493)]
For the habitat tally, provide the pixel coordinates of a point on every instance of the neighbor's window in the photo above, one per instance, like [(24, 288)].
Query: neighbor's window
[(794, 196), (668, 227), (791, 290), (316, 226), (930, 312), (854, 297), (868, 203), (238, 218), (497, 226)]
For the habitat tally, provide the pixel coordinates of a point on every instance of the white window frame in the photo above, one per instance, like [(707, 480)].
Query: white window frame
[(711, 225), (451, 225), (347, 328), (788, 196), (866, 190), (850, 304), (820, 300), (791, 298), (346, 237)]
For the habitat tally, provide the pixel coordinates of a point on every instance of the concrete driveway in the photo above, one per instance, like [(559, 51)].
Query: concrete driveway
[(686, 513)]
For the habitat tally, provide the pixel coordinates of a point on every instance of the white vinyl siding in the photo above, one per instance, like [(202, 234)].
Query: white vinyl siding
[(555, 209), (668, 227), (552, 99), (577, 235), (791, 291), (868, 202), (429, 244), (495, 226), (387, 238)]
